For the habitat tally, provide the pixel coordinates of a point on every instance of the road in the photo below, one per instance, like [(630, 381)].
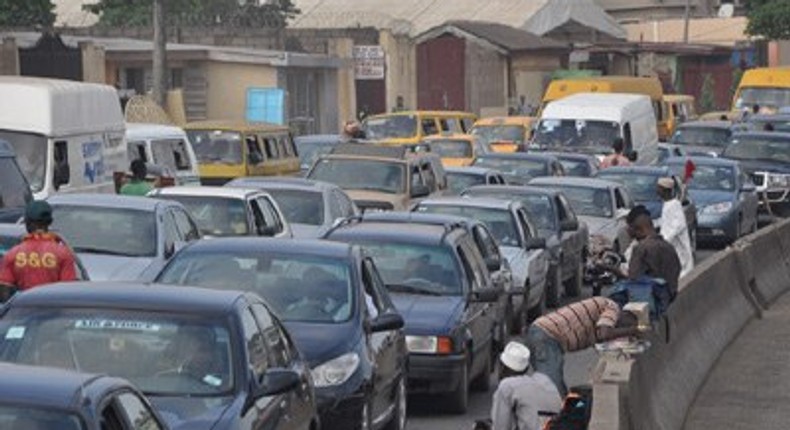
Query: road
[(424, 414)]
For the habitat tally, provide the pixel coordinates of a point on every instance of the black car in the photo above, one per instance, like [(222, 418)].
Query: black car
[(11, 235), (567, 239), (334, 304), (206, 359), (14, 189), (439, 282), (520, 167), (461, 178), (33, 398)]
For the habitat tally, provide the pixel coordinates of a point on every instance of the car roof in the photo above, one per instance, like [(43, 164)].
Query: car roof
[(129, 295), (108, 200), (573, 181), (152, 131), (7, 230), (472, 170), (706, 124), (571, 156), (419, 218), (776, 135), (778, 117), (426, 234), (280, 182), (327, 139), (702, 161), (636, 170), (49, 387), (313, 247), (208, 191), (516, 189), (477, 202), (520, 156)]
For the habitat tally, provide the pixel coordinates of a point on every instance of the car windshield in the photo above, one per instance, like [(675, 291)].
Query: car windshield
[(457, 181), (499, 133), (640, 186), (359, 174), (37, 418), (499, 221), (781, 125), (216, 146), (574, 167), (772, 149), (576, 133), (538, 207), (113, 231), (513, 166), (702, 136), (764, 97), (300, 207), (708, 178), (298, 287), (311, 151), (14, 192), (588, 201), (419, 269), (171, 154), (31, 155), (390, 127), (162, 353), (215, 216), (451, 148)]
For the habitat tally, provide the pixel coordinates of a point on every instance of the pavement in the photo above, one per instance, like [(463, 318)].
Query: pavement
[(748, 388)]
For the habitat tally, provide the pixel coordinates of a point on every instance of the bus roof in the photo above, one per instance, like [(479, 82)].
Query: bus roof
[(525, 121), (235, 125), (766, 77), (596, 106), (604, 84), (139, 131)]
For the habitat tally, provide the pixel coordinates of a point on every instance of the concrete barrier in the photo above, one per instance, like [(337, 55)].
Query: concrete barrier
[(765, 253)]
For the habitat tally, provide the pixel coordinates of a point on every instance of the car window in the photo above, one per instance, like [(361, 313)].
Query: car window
[(416, 177), (276, 344), (523, 219), (171, 233), (430, 177), (270, 214), (373, 299), (254, 153), (257, 355), (136, 151), (107, 230), (171, 154), (137, 414), (270, 145), (111, 418), (474, 270), (186, 227), (429, 126), (445, 126), (619, 200), (14, 192), (486, 242), (25, 417), (345, 204)]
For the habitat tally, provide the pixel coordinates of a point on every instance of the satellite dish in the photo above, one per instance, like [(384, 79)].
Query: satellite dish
[(727, 10)]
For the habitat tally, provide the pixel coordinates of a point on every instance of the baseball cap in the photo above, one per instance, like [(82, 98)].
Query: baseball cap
[(38, 211), (515, 356), (667, 183)]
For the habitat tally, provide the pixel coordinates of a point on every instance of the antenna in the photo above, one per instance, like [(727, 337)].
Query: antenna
[(727, 10)]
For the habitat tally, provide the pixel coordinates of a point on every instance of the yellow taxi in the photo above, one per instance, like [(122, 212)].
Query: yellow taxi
[(455, 150), (411, 127), (504, 134)]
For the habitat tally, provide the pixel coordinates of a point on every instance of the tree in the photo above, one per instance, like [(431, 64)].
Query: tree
[(26, 13), (769, 19)]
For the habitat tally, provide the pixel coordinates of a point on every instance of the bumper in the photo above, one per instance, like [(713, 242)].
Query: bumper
[(340, 413), (431, 374), (717, 226)]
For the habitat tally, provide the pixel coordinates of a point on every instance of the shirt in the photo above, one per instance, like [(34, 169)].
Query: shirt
[(518, 399), (41, 258), (674, 230), (575, 326), (615, 160), (136, 188), (655, 257)]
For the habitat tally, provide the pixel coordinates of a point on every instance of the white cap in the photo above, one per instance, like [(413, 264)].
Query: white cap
[(667, 183), (515, 356)]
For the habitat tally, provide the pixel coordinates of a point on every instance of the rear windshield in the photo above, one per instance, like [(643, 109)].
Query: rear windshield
[(391, 127), (100, 230), (300, 207), (216, 146)]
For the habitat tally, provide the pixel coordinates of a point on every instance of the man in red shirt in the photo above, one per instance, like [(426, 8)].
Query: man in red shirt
[(41, 258)]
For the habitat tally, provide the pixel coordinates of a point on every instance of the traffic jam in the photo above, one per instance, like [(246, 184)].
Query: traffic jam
[(233, 275)]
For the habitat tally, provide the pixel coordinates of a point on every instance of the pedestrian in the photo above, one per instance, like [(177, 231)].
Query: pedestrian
[(673, 226), (41, 258), (616, 158), (138, 185), (522, 396), (575, 327), (352, 131)]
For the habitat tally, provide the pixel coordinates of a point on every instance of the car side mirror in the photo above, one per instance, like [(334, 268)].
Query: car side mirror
[(535, 243), (386, 322), (632, 156), (277, 381), (493, 264), (62, 175), (569, 225), (488, 295), (420, 190)]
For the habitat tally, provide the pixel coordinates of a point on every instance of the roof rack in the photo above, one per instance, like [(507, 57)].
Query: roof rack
[(397, 152)]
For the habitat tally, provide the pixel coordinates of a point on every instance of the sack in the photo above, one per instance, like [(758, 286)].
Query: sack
[(653, 291)]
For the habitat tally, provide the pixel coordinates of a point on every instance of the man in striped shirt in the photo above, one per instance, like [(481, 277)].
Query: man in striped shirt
[(572, 328)]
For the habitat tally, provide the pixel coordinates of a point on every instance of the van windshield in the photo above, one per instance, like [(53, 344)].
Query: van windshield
[(14, 192), (216, 146), (391, 127), (764, 97), (31, 155), (171, 153), (578, 133), (499, 133)]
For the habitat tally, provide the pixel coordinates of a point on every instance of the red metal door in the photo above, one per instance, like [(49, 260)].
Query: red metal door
[(371, 97), (441, 74)]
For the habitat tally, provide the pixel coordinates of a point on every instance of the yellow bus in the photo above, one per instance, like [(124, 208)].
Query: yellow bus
[(410, 127), (768, 87), (231, 149), (679, 108), (504, 133)]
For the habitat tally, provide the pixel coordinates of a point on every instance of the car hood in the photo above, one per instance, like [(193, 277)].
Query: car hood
[(751, 166), (191, 413), (307, 231), (428, 315), (321, 342), (600, 226), (704, 198), (112, 268)]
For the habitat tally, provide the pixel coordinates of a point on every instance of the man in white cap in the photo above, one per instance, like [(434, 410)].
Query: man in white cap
[(522, 395), (673, 227)]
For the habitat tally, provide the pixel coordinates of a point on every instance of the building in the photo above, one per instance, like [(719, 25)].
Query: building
[(630, 11)]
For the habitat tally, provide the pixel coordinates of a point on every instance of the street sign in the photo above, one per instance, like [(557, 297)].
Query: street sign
[(369, 62)]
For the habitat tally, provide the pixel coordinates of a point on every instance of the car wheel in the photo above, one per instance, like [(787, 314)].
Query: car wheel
[(398, 420), (458, 400), (574, 286), (482, 382), (554, 287)]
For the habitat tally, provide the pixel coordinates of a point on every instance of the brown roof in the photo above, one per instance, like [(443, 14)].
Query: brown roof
[(507, 37)]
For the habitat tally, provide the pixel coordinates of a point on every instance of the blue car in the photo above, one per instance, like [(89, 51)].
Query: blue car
[(332, 300), (35, 398), (520, 167), (725, 196), (206, 359)]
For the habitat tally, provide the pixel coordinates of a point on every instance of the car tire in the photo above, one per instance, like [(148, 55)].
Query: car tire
[(399, 416), (458, 400), (573, 288), (554, 287), (482, 382)]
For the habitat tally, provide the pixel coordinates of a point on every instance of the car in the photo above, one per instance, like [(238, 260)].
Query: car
[(311, 147), (461, 178), (703, 138), (207, 359), (441, 286), (380, 178), (35, 398), (504, 134), (602, 205), (15, 191), (725, 196), (309, 207), (11, 235), (332, 301), (578, 164), (518, 241), (641, 182), (520, 167), (567, 239), (455, 150), (778, 122), (122, 238), (668, 150), (765, 158), (225, 211)]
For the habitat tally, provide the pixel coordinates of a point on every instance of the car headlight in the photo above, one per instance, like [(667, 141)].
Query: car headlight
[(336, 371), (429, 344), (717, 208), (778, 181)]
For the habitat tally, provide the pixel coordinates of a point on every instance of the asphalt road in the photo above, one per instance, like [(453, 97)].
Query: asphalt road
[(425, 412)]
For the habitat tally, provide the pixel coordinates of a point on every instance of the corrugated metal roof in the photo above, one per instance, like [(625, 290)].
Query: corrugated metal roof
[(506, 37), (713, 31)]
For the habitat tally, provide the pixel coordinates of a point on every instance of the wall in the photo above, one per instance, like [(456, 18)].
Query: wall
[(9, 57), (530, 72), (634, 10), (226, 93), (93, 63), (259, 38), (486, 78), (345, 84), (401, 73)]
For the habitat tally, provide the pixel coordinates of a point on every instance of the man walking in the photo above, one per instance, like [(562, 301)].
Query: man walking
[(673, 227)]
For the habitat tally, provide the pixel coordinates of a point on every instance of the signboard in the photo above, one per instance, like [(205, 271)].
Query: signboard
[(369, 62)]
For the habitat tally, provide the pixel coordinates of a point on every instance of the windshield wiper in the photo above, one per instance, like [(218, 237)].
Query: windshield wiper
[(90, 250), (401, 288)]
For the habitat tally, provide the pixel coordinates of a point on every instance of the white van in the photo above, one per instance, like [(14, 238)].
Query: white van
[(68, 136), (589, 122), (166, 147)]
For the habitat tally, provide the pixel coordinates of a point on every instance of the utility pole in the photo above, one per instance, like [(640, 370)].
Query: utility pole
[(160, 53), (686, 18)]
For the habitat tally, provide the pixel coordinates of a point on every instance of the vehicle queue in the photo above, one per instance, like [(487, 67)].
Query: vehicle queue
[(324, 302)]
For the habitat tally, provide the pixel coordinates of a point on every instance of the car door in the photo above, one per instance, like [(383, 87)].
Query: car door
[(538, 259), (479, 318), (622, 202), (135, 412), (573, 242)]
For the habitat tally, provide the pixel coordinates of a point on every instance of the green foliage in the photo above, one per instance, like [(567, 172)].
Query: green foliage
[(769, 19), (707, 96), (137, 13), (26, 13)]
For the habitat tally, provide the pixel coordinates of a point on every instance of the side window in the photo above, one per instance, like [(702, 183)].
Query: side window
[(564, 207), (336, 206), (486, 243), (274, 336), (452, 124), (429, 126), (136, 151), (523, 220), (619, 200), (430, 178), (373, 299), (627, 138), (138, 415), (185, 225), (61, 156), (416, 178), (473, 277), (282, 148), (170, 230), (254, 153), (467, 124), (346, 205), (559, 170), (257, 215), (111, 418), (254, 342), (270, 144), (270, 214)]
